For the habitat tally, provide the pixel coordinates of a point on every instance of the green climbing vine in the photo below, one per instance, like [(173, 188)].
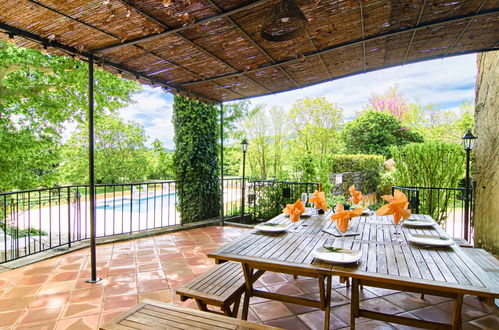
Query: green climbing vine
[(196, 159)]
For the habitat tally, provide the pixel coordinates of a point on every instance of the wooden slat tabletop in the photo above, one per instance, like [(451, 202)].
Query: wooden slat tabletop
[(383, 258), (150, 314)]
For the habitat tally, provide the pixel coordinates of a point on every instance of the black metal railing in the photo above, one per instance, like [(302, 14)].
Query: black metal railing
[(445, 205), (32, 221), (267, 198)]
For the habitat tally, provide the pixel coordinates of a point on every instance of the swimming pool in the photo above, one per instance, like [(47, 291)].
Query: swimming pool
[(141, 204)]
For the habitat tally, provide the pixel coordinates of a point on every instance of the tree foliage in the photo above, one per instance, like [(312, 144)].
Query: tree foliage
[(375, 132), (196, 159), (430, 164), (120, 152), (392, 101), (160, 162), (38, 95)]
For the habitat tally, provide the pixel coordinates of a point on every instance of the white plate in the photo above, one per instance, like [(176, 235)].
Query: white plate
[(345, 256), (419, 222), (432, 240), (273, 229), (308, 213)]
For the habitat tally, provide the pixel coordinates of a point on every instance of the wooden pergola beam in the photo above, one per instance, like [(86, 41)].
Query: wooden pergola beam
[(178, 66), (320, 56), (182, 28), (193, 44), (254, 43), (72, 50), (414, 32), (465, 28), (355, 42), (363, 35)]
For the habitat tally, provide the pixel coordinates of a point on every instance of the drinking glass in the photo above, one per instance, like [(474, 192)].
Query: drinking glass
[(398, 231), (342, 227), (304, 199)]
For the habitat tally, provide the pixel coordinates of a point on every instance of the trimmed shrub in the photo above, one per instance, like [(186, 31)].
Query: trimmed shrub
[(431, 164)]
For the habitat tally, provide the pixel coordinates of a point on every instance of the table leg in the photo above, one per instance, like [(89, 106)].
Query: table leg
[(327, 312), (354, 302), (248, 273), (456, 314)]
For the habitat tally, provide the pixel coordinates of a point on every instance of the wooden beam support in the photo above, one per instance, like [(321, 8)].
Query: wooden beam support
[(414, 32), (254, 43), (320, 56), (72, 50), (178, 66), (182, 28), (464, 29), (358, 42), (193, 44)]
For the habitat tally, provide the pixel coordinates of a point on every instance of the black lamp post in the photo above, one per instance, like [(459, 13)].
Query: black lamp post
[(468, 144), (244, 148)]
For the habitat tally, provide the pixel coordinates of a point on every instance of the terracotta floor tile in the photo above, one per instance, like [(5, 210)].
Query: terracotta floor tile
[(122, 262), (79, 323), (107, 317), (374, 325), (152, 285), (285, 288), (315, 320), (154, 274), (22, 291), (200, 269), (120, 289), (170, 256), (307, 285), (57, 287), (48, 325), (477, 303), (148, 259), (37, 315), (50, 300), (161, 295), (406, 301), (121, 270), (122, 278), (363, 294), (432, 314), (81, 309), (70, 267), (149, 267), (62, 277), (272, 278), (380, 305), (487, 322), (32, 280), (379, 291), (291, 322), (38, 270), (271, 310), (467, 312), (88, 294), (300, 309), (119, 302), (13, 304), (8, 319)]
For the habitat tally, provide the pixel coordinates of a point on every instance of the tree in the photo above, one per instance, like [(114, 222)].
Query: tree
[(316, 123), (392, 101), (120, 152), (196, 159), (374, 132), (256, 129), (38, 95), (160, 162)]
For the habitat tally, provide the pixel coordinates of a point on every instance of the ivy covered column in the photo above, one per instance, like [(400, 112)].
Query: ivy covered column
[(196, 159)]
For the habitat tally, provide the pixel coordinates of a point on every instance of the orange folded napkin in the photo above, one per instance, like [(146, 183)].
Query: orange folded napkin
[(356, 195), (343, 216), (294, 210), (397, 205), (319, 200)]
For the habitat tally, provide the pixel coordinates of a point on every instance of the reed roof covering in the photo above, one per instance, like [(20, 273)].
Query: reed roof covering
[(212, 49)]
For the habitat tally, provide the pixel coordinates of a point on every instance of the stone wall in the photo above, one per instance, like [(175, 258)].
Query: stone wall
[(486, 216)]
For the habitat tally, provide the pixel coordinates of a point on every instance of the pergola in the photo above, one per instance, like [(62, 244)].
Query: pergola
[(212, 50)]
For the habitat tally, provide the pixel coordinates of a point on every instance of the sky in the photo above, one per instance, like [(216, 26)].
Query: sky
[(447, 82)]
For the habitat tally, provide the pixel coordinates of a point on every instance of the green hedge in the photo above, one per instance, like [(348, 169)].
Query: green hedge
[(196, 159), (432, 164), (370, 166)]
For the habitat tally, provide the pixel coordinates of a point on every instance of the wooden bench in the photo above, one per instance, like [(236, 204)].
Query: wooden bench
[(150, 314), (222, 286)]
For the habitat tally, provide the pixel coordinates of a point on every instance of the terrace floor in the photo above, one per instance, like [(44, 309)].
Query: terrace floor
[(53, 294)]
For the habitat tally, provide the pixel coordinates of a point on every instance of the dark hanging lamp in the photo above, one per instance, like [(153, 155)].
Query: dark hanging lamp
[(285, 22)]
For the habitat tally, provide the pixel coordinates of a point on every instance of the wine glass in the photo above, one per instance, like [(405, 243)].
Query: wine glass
[(398, 231), (304, 199), (342, 227)]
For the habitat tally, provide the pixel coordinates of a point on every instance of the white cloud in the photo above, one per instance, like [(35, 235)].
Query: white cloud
[(447, 82)]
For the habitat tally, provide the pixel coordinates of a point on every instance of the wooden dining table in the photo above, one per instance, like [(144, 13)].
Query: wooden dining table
[(388, 261)]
